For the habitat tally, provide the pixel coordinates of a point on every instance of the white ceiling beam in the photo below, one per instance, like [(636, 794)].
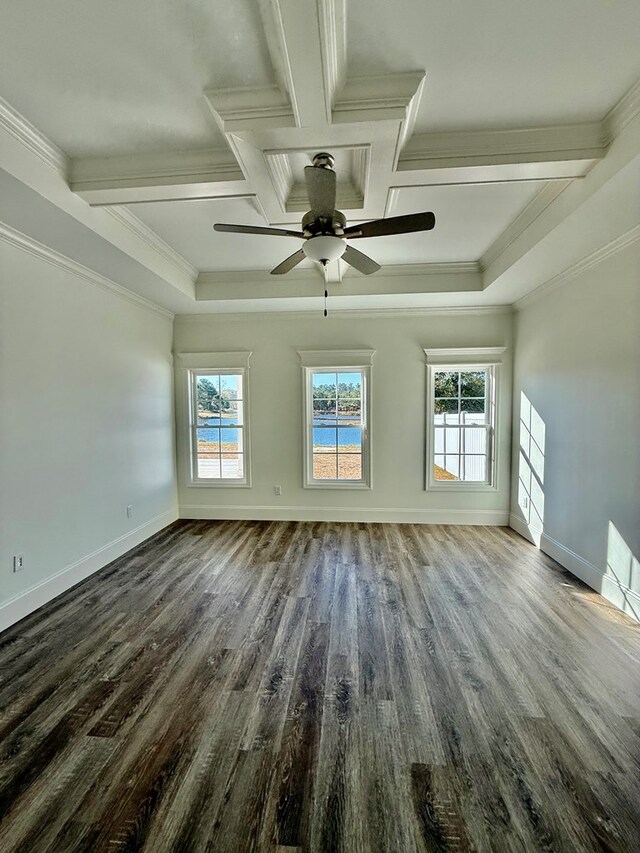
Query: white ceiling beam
[(158, 177), (558, 228), (307, 41), (538, 153)]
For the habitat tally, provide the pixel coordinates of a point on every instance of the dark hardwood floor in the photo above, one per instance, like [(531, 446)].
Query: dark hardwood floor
[(274, 686)]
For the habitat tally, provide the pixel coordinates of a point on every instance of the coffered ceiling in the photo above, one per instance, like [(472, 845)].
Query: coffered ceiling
[(163, 118)]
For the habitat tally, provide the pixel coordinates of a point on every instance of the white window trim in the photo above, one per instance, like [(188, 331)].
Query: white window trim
[(338, 360), (191, 365), (464, 358)]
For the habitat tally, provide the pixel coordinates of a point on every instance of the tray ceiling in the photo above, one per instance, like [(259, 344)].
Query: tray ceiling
[(174, 115)]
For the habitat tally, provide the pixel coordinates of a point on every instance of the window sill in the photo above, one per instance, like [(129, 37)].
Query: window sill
[(336, 484), (220, 484), (460, 487)]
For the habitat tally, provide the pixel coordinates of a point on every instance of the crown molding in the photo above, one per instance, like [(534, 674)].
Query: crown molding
[(349, 314), (377, 98), (32, 139), (584, 265), (27, 244), (260, 276), (125, 217), (251, 108), (538, 204), (446, 268), (619, 116)]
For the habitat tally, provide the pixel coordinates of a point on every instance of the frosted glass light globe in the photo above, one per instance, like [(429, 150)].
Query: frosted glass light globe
[(324, 247)]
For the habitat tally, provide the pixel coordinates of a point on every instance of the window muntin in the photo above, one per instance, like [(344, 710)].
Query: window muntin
[(462, 414), (218, 426), (336, 425)]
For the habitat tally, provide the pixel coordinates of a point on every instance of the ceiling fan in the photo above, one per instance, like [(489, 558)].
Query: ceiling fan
[(324, 229)]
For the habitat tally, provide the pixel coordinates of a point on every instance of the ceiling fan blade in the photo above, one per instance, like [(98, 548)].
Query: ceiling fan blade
[(321, 189), (257, 229), (360, 262), (392, 225), (289, 263)]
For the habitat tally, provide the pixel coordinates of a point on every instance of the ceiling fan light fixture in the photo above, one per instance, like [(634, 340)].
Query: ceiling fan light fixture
[(325, 247)]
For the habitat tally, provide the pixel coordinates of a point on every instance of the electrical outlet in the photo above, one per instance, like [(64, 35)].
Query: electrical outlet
[(129, 510), (18, 563), (277, 490), (525, 502)]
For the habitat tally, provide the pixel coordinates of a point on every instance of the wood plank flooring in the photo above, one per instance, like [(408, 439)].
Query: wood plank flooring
[(279, 686)]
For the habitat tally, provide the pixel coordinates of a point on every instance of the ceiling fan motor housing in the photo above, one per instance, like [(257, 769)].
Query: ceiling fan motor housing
[(323, 160), (313, 224)]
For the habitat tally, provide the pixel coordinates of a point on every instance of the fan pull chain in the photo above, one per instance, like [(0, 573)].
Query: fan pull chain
[(326, 292)]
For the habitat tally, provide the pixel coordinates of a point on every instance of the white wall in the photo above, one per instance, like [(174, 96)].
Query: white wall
[(86, 428), (577, 360), (398, 416)]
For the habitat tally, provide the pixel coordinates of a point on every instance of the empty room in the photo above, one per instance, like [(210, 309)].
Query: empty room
[(319, 426)]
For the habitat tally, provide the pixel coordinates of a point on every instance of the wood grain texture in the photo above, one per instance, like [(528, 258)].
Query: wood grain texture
[(281, 686)]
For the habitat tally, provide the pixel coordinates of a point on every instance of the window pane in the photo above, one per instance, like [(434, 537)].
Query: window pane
[(233, 466), (324, 386), (438, 437), (231, 387), (209, 466), (209, 421), (234, 414), (208, 395), (349, 439), (475, 469), (349, 466), (208, 439), (452, 440), (349, 411), (446, 406), (231, 440), (445, 383), (452, 465), (324, 407), (474, 440), (325, 466), (472, 383), (324, 439), (472, 405), (349, 385), (470, 418)]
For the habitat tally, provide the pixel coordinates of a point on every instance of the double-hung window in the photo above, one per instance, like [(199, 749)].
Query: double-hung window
[(337, 441), (218, 418), (461, 417)]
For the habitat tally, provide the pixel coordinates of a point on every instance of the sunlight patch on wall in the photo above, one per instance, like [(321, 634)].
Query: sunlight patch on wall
[(621, 583), (531, 468)]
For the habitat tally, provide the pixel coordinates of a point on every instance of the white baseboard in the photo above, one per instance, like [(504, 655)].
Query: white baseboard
[(622, 596), (331, 513), (520, 526), (576, 564), (31, 599)]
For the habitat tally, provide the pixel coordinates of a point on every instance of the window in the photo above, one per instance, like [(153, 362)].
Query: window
[(214, 418), (218, 428), (461, 420), (337, 441)]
